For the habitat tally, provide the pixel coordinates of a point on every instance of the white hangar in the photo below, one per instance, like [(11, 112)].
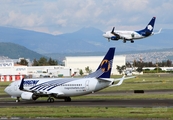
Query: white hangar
[(81, 62)]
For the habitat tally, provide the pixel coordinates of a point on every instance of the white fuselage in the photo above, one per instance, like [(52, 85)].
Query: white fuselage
[(74, 86), (128, 35)]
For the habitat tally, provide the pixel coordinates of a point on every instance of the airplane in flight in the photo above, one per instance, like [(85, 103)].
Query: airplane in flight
[(64, 88), (131, 35)]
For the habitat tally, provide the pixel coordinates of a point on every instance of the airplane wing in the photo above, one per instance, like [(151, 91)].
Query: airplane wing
[(118, 36), (114, 33), (117, 79)]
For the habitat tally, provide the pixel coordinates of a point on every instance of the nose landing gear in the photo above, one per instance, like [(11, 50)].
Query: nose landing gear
[(18, 99)]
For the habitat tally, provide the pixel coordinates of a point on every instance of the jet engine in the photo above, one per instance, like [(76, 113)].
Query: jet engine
[(114, 38), (28, 96)]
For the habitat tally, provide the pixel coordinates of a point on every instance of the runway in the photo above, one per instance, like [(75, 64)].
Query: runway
[(99, 102), (95, 103)]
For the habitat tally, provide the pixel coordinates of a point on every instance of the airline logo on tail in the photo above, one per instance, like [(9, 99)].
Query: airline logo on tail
[(150, 27), (105, 67), (151, 24)]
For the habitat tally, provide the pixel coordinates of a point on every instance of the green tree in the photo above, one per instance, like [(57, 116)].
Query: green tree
[(52, 62), (88, 70), (169, 63), (35, 63), (81, 72), (23, 62), (139, 69), (42, 61), (121, 69)]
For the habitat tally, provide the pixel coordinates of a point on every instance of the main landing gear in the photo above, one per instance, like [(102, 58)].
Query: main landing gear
[(132, 41), (50, 100), (67, 99)]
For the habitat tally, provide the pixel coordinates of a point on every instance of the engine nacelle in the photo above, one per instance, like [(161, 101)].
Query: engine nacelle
[(28, 96), (114, 38)]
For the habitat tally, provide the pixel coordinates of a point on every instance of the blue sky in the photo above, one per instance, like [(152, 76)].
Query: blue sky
[(65, 16)]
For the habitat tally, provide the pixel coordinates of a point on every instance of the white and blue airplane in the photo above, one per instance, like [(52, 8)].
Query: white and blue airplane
[(131, 35), (64, 88)]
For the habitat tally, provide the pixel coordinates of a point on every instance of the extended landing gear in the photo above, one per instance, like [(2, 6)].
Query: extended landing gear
[(18, 99), (50, 100), (132, 41), (67, 99), (124, 41)]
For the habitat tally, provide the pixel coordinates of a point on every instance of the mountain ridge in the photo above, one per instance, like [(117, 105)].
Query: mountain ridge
[(14, 51), (87, 39), (84, 40)]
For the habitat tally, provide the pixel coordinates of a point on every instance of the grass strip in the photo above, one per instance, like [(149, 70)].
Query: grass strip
[(86, 112)]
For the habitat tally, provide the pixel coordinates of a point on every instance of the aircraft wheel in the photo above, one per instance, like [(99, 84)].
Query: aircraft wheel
[(67, 99), (50, 100), (132, 41), (124, 41), (17, 100)]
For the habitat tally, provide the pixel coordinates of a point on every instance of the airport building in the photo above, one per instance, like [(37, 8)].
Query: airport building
[(10, 71), (48, 71), (77, 63)]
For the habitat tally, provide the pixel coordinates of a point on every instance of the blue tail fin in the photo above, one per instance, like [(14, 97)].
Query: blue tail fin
[(105, 67), (148, 29)]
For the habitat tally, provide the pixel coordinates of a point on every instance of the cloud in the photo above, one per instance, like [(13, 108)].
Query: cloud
[(134, 5), (59, 16)]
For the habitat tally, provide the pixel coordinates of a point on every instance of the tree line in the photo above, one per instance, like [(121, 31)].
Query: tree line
[(140, 64), (167, 63), (41, 62)]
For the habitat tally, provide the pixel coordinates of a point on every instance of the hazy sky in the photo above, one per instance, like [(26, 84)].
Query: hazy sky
[(64, 16)]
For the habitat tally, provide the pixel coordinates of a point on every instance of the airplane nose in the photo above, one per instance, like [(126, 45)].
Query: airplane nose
[(104, 35), (7, 90)]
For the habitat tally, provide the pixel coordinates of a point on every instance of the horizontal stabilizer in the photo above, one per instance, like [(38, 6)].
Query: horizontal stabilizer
[(158, 31)]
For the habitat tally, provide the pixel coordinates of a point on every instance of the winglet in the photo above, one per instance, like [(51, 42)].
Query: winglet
[(120, 82), (21, 84)]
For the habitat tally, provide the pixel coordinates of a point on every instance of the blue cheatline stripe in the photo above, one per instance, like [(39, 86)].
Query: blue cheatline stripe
[(45, 84), (46, 87), (50, 84)]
